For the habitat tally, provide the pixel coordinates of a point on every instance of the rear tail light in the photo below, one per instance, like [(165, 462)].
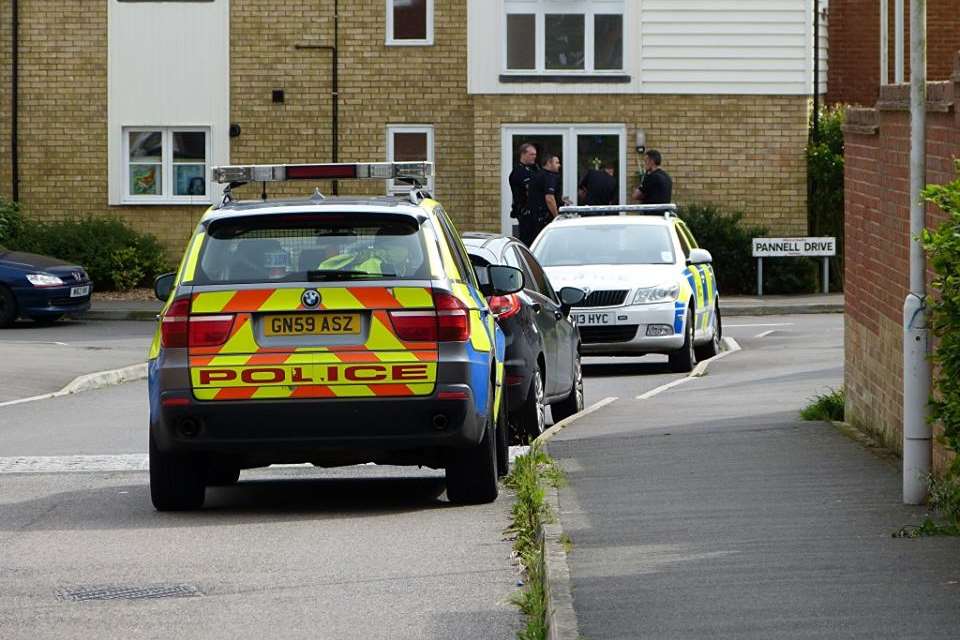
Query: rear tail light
[(449, 321), (210, 331), (504, 307), (453, 318), (178, 329), (175, 324)]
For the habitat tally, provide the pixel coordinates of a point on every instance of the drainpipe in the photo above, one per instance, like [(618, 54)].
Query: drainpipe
[(898, 40), (884, 43), (14, 101), (335, 90), (816, 71), (917, 451)]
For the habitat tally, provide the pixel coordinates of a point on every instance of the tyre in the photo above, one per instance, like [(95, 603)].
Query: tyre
[(222, 474), (712, 348), (573, 403), (8, 308), (682, 360), (472, 472), (46, 321), (177, 481), (532, 417), (503, 437)]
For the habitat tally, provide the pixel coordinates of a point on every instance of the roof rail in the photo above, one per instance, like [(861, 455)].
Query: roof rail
[(665, 210)]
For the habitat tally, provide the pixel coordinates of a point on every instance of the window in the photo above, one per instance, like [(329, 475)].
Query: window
[(605, 244), (458, 251), (409, 22), (166, 165), (564, 36), (543, 283), (409, 143)]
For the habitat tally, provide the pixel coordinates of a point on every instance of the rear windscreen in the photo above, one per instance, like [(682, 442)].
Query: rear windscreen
[(311, 248)]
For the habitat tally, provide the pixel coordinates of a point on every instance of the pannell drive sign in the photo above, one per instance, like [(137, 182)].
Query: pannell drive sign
[(794, 247)]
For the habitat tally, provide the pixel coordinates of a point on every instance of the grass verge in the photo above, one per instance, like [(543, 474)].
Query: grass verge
[(530, 475), (826, 406)]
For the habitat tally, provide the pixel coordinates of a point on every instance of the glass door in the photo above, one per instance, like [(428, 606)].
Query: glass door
[(581, 148)]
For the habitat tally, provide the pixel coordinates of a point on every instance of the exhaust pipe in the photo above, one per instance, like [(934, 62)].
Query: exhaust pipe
[(440, 422), (189, 427)]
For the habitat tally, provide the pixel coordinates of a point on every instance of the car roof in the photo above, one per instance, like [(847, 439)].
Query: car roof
[(339, 204), (589, 221)]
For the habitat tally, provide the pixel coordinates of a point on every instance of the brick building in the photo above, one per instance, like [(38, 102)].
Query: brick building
[(877, 237), (854, 74), (125, 105)]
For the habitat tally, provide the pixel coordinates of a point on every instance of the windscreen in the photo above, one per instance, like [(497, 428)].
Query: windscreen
[(605, 244), (312, 248)]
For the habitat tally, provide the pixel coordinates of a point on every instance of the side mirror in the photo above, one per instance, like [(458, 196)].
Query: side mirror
[(163, 286), (699, 256), (504, 280), (571, 297)]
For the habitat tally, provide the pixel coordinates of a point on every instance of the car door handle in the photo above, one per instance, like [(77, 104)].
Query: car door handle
[(557, 315)]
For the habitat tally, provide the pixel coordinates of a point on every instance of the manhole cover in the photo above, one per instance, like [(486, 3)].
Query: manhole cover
[(127, 592)]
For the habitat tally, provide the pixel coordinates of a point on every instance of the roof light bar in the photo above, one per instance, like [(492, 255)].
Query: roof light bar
[(620, 210), (416, 172)]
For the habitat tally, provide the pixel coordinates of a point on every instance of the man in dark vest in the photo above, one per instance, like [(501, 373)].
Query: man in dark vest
[(545, 198), (520, 179), (656, 185)]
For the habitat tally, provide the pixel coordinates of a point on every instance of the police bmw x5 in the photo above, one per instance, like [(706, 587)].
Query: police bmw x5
[(331, 331), (650, 288)]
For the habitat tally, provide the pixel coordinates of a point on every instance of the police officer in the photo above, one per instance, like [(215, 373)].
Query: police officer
[(545, 198), (599, 187), (656, 185), (520, 179)]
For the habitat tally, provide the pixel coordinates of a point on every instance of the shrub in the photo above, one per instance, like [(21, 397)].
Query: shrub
[(943, 247), (826, 406), (11, 220), (115, 256), (825, 165), (730, 240)]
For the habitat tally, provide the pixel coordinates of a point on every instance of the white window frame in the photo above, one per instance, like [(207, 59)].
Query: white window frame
[(399, 188), (166, 167), (570, 178), (393, 42), (587, 8)]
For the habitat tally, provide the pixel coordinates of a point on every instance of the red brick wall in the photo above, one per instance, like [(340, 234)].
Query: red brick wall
[(854, 64), (877, 203)]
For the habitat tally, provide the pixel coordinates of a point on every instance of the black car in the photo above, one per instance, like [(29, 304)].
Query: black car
[(543, 345), (40, 288)]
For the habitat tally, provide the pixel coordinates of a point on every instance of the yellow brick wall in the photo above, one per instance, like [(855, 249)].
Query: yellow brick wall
[(5, 99), (742, 151)]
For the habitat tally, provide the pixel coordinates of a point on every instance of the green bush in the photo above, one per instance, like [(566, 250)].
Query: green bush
[(730, 240), (943, 247), (826, 406), (825, 164), (11, 220), (115, 256)]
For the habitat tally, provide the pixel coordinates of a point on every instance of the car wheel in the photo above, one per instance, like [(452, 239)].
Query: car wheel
[(222, 474), (46, 321), (573, 403), (8, 308), (177, 481), (503, 437), (712, 348), (472, 472), (532, 418), (682, 360)]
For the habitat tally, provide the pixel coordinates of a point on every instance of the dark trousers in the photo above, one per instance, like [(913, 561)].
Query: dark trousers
[(529, 228)]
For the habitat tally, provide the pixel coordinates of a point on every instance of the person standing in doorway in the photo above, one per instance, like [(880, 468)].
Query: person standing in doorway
[(544, 200), (599, 187), (520, 178), (656, 185)]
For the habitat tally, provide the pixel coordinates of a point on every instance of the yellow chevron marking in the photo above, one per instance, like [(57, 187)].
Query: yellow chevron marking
[(338, 298), (190, 262), (211, 301), (283, 300), (352, 391), (267, 393), (413, 297), (381, 338)]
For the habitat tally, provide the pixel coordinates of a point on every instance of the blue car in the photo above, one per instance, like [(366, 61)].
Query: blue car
[(40, 288)]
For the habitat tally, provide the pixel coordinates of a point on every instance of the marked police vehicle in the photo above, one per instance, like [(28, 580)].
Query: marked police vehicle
[(330, 331), (650, 288)]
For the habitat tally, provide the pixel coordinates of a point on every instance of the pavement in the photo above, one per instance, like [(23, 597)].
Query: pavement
[(731, 305), (711, 511)]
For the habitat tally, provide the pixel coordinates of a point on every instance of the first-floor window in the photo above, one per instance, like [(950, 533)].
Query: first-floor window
[(409, 22), (409, 143), (166, 164)]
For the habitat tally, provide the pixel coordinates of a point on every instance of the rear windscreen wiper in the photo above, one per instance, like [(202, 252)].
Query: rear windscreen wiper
[(322, 275)]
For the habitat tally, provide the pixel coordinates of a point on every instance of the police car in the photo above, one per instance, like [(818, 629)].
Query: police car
[(650, 288), (329, 331)]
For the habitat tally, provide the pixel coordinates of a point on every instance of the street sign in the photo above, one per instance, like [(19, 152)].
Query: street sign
[(794, 247)]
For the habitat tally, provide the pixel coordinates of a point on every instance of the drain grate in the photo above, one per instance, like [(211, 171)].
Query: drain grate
[(127, 592)]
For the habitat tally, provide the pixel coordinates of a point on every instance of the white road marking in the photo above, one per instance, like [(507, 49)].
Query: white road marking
[(664, 387), (59, 344), (75, 464), (765, 333), (762, 324)]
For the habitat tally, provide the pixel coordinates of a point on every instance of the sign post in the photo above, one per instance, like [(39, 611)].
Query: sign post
[(824, 248)]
